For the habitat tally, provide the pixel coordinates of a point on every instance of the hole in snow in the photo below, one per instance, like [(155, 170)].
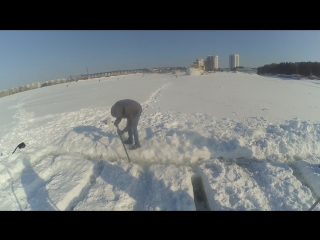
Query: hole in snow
[(200, 197)]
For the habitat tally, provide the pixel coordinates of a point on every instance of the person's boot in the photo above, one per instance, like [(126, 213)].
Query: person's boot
[(135, 146), (128, 141)]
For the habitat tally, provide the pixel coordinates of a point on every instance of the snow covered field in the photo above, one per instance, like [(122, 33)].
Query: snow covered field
[(222, 141)]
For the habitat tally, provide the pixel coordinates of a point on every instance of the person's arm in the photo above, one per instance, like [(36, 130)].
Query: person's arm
[(129, 123), (117, 121)]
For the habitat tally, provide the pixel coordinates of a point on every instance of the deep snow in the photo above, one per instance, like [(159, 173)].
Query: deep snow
[(251, 142)]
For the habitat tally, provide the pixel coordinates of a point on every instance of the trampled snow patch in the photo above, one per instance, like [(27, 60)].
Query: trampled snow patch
[(310, 175), (129, 186), (265, 186), (50, 185)]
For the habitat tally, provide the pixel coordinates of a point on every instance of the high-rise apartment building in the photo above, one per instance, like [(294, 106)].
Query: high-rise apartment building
[(215, 62), (234, 60), (211, 63)]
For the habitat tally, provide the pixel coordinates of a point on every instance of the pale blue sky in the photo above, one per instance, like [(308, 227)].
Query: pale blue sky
[(32, 56)]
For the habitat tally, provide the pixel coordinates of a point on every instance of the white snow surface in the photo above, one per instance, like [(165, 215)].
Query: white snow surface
[(221, 142)]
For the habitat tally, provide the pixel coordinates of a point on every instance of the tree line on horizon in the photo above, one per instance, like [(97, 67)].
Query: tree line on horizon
[(305, 69)]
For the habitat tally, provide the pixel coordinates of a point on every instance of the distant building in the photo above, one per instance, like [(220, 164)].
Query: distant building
[(194, 71), (215, 62), (234, 61), (211, 63), (200, 63), (197, 68)]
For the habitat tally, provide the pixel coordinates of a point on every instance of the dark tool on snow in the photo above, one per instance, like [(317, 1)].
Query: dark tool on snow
[(21, 145), (123, 145), (312, 207)]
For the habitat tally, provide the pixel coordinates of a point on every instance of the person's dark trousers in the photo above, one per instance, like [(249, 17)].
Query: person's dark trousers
[(134, 131)]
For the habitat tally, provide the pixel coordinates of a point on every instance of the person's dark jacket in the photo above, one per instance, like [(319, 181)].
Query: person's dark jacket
[(128, 109)]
